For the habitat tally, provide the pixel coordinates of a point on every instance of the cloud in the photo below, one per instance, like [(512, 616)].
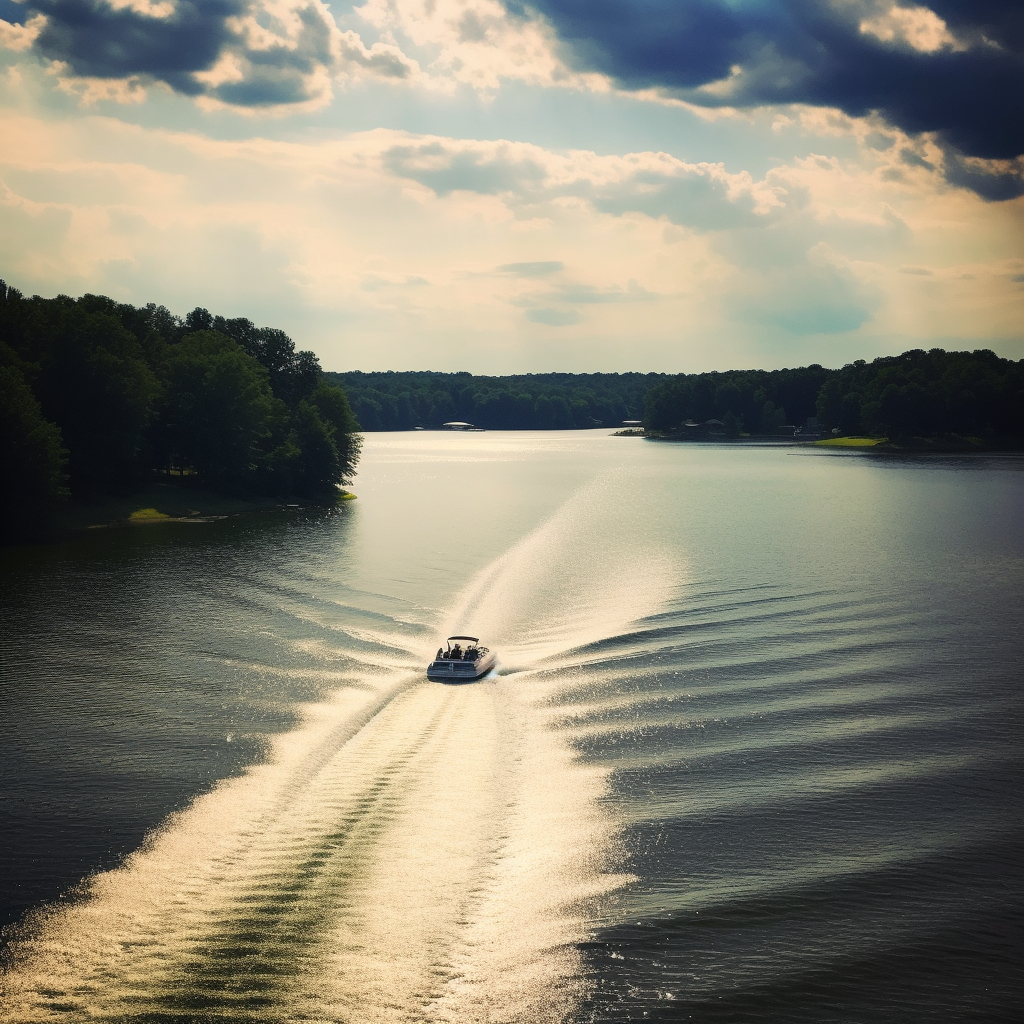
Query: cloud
[(589, 295), (954, 69), (700, 196), (538, 269), (486, 169), (992, 179), (318, 235), (817, 299), (376, 282), (553, 317), (248, 54), (554, 307), (18, 32), (478, 43)]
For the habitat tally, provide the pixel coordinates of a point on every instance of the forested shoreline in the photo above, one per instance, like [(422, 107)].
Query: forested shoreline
[(99, 397), (917, 395), (530, 401)]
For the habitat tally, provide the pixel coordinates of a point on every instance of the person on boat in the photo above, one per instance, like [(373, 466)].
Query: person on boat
[(440, 654), (457, 652), (471, 653)]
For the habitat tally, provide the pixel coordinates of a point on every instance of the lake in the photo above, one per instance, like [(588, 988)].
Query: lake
[(753, 751)]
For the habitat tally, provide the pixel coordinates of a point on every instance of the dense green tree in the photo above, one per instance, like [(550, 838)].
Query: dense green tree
[(32, 459), (96, 384), (762, 399), (293, 375), (132, 390), (319, 465), (370, 412), (772, 418), (925, 394), (92, 378), (915, 394), (333, 406), (221, 415), (400, 401)]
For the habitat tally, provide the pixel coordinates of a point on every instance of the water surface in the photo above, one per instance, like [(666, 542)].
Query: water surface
[(753, 751)]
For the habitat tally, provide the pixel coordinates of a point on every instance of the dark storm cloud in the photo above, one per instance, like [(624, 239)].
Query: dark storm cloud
[(96, 40), (13, 13), (99, 42), (969, 93)]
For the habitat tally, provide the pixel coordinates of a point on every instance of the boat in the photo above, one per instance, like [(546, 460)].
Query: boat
[(457, 663)]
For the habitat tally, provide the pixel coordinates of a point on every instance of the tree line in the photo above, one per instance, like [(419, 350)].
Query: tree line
[(914, 395), (745, 401), (552, 401), (97, 396)]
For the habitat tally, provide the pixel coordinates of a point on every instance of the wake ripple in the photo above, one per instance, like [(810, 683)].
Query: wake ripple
[(411, 852)]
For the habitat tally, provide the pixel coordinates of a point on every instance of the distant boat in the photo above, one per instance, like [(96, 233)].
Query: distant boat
[(458, 425), (455, 663)]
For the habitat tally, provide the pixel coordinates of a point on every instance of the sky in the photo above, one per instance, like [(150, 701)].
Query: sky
[(502, 187)]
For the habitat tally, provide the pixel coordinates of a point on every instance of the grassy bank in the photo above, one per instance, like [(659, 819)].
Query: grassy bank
[(850, 442), (941, 444), (164, 502), (160, 503)]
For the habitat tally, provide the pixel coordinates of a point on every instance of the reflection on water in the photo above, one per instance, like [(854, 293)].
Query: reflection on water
[(752, 752)]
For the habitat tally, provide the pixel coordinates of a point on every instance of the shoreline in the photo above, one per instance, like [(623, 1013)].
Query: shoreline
[(165, 502), (866, 445)]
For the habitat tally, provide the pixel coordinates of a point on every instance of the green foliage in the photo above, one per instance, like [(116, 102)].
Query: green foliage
[(135, 390), (401, 401), (733, 424), (333, 406), (849, 442), (924, 394), (319, 465), (221, 415), (32, 459), (762, 400), (917, 394), (293, 375), (147, 515), (91, 378), (772, 418), (103, 393)]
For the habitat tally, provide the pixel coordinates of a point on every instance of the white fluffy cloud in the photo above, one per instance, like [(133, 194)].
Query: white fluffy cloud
[(285, 54), (248, 55), (475, 42), (389, 249)]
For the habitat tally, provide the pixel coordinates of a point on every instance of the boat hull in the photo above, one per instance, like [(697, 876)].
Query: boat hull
[(447, 670)]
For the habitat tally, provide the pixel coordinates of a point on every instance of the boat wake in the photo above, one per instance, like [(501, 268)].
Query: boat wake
[(409, 853)]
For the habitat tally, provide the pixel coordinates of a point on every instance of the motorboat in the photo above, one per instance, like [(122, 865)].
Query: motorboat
[(457, 663)]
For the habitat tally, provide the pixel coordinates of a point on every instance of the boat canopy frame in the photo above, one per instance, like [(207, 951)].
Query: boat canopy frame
[(472, 643)]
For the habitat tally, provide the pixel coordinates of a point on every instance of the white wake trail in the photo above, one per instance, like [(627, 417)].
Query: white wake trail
[(411, 852), (581, 576)]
